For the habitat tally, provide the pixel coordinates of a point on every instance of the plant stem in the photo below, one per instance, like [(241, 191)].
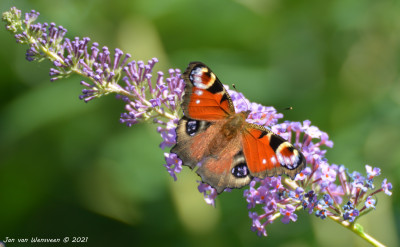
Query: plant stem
[(357, 229)]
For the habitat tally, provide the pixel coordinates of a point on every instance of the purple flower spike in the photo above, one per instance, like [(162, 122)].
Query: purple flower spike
[(163, 97)]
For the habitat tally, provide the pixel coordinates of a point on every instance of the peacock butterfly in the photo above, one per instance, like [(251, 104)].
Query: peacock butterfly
[(226, 150)]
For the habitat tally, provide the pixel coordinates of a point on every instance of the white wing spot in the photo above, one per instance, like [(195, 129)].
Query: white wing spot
[(273, 160), (198, 101), (293, 159), (199, 92), (280, 158), (264, 161), (198, 83), (196, 71)]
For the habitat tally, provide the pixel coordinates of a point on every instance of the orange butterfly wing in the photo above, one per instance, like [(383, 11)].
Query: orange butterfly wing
[(268, 154), (205, 96)]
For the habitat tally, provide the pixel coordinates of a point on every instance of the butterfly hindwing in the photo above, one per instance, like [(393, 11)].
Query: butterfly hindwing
[(205, 97), (192, 141), (217, 160), (229, 170)]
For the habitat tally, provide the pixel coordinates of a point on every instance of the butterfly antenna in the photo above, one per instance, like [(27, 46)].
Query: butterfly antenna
[(234, 86), (244, 100), (287, 108)]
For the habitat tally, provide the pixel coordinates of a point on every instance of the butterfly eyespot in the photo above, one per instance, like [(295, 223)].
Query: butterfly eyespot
[(202, 78), (192, 127), (240, 171)]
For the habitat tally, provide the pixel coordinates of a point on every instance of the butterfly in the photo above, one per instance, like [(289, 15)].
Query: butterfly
[(224, 149)]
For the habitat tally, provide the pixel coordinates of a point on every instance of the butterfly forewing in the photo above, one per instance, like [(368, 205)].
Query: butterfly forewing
[(205, 96)]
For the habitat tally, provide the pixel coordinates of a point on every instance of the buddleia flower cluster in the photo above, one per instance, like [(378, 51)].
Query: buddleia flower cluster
[(146, 97), (324, 189)]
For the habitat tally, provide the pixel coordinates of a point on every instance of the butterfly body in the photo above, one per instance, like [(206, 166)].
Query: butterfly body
[(224, 149)]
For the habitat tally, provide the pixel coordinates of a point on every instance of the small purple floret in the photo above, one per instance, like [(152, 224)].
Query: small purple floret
[(288, 214)]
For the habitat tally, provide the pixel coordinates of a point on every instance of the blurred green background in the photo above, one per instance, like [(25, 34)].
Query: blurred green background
[(71, 169)]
